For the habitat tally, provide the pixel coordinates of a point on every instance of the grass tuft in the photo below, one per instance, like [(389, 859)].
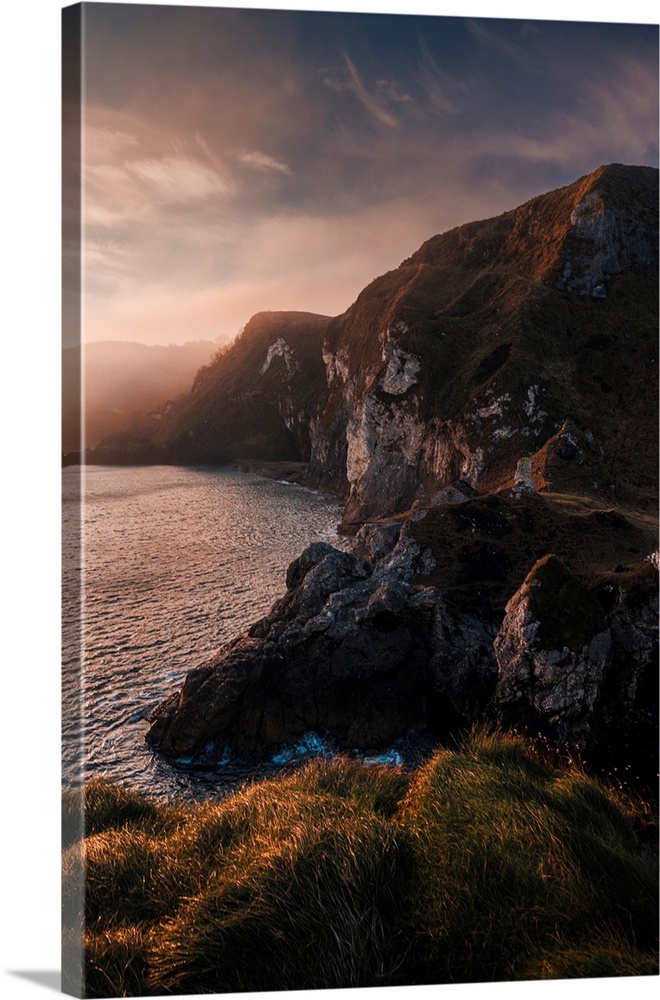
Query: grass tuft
[(487, 863)]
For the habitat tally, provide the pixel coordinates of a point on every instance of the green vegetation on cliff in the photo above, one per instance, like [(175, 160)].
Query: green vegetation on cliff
[(487, 863)]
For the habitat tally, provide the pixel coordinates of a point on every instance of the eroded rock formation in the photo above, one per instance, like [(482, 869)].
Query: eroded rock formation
[(487, 410), (345, 651)]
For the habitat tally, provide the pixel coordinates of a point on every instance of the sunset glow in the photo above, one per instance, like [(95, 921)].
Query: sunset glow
[(240, 160)]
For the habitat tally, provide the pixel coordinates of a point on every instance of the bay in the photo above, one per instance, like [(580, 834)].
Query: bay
[(174, 563)]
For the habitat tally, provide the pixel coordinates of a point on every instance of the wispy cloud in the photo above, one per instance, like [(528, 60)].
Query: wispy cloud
[(611, 120), (393, 92), (136, 173), (436, 84), (105, 143), (375, 103), (496, 40), (175, 179), (261, 161)]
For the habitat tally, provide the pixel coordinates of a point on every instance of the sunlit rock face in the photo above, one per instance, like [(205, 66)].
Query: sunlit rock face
[(472, 354), (603, 240)]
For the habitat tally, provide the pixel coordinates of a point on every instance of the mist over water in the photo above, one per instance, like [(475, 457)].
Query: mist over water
[(177, 561)]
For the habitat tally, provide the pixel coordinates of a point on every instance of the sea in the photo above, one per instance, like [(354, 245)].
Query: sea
[(173, 563)]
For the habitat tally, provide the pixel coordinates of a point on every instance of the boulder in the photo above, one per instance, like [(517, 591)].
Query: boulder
[(551, 650)]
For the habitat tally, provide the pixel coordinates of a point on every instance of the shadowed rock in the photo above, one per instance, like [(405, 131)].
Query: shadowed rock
[(346, 650), (357, 651), (568, 669)]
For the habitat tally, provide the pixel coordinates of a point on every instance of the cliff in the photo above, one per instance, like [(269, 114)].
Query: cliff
[(477, 349), (531, 335), (256, 399), (489, 411)]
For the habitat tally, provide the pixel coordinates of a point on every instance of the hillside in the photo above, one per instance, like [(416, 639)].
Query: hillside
[(255, 399), (124, 382)]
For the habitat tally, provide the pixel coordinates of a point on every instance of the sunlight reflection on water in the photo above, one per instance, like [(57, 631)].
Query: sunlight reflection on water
[(177, 562)]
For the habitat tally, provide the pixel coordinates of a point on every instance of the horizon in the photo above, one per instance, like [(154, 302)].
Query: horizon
[(342, 143)]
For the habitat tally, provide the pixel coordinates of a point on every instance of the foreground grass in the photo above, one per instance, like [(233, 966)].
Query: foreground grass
[(486, 864)]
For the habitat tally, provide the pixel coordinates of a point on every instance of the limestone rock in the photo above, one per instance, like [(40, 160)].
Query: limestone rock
[(552, 651)]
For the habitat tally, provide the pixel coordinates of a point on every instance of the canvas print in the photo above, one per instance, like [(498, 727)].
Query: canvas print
[(360, 457)]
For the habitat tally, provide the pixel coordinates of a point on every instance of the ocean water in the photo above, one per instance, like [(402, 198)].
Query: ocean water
[(174, 563)]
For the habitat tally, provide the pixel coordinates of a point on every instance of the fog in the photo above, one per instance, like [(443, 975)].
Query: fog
[(123, 382)]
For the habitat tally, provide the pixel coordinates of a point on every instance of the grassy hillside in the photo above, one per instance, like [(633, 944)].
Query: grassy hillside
[(487, 863)]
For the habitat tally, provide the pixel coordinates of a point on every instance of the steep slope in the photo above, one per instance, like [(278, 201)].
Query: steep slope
[(477, 349), (124, 382), (255, 399)]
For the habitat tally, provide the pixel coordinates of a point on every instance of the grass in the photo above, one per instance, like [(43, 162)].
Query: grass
[(487, 863), (486, 546)]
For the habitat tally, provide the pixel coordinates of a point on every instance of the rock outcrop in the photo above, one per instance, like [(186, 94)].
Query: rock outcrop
[(582, 677), (552, 652), (361, 652), (345, 651)]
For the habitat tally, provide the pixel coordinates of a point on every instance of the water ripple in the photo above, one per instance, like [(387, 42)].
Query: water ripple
[(177, 562)]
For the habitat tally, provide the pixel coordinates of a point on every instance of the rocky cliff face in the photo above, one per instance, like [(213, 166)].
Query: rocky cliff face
[(478, 348), (489, 410), (488, 345)]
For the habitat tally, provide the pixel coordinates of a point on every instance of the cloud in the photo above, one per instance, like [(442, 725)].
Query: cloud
[(104, 144), (136, 174), (496, 40), (143, 189), (173, 179), (261, 161), (393, 92), (529, 30), (370, 102), (437, 84), (612, 120)]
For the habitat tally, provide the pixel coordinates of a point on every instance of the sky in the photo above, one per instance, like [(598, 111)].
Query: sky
[(244, 160)]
